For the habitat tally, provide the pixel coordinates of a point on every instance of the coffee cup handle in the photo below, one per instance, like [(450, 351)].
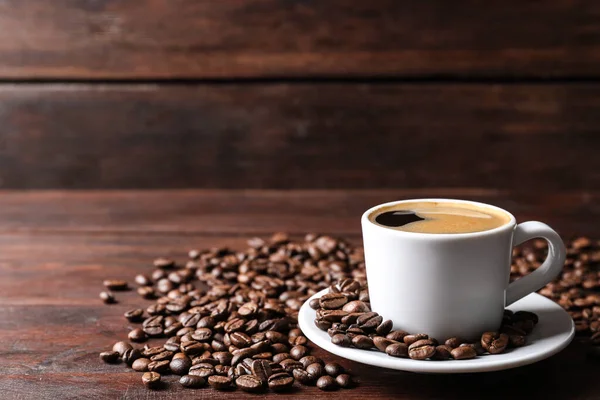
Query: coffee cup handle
[(548, 270)]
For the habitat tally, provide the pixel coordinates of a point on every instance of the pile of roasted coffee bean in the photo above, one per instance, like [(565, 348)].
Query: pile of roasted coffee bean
[(577, 289), (230, 318), (346, 315)]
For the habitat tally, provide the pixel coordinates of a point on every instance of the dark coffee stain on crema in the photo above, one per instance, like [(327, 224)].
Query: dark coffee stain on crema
[(397, 218)]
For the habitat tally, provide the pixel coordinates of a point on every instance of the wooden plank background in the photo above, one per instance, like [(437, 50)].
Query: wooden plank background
[(297, 38), (299, 94), (300, 136)]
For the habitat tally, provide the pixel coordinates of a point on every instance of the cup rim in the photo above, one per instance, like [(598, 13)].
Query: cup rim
[(509, 225)]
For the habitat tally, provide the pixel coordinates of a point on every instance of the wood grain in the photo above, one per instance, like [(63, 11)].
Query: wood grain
[(330, 135), (189, 39), (242, 213), (56, 248)]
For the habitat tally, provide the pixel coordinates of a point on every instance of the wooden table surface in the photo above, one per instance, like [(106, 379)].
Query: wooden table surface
[(56, 247)]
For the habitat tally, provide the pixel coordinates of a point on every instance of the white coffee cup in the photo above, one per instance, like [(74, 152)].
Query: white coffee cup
[(448, 285)]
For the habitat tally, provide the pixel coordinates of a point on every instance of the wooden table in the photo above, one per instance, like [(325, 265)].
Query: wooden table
[(56, 247)]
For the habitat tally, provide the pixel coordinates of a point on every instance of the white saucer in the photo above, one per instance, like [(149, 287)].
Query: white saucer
[(554, 332)]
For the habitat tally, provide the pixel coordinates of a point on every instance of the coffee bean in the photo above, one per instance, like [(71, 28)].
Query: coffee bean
[(327, 383), (442, 352), (298, 341), (278, 358), (204, 358), (397, 336), (202, 334), (129, 356), (159, 366), (454, 342), (163, 263), (463, 353), (180, 365), (261, 369), (156, 309), (192, 381), (153, 330), (152, 351), (363, 295), (151, 379), (192, 348), (137, 335), (115, 284), (350, 319), (332, 315), (164, 285), (384, 328), (595, 339), (314, 304), (299, 351), (249, 383), (382, 343), (369, 320), (280, 382), (110, 356), (202, 369), (494, 342), (122, 347), (147, 292), (276, 337), (248, 309), (344, 381), (135, 315), (220, 382), (240, 339), (140, 365), (158, 274), (333, 301), (516, 340), (356, 306), (410, 339), (315, 371), (362, 342), (172, 329), (475, 346), (223, 357), (234, 325), (107, 297), (333, 331), (265, 346), (421, 349), (279, 348), (341, 340), (334, 369), (581, 242), (143, 280), (303, 377), (295, 333), (190, 320), (306, 361), (290, 364), (240, 355), (397, 349), (322, 324)]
